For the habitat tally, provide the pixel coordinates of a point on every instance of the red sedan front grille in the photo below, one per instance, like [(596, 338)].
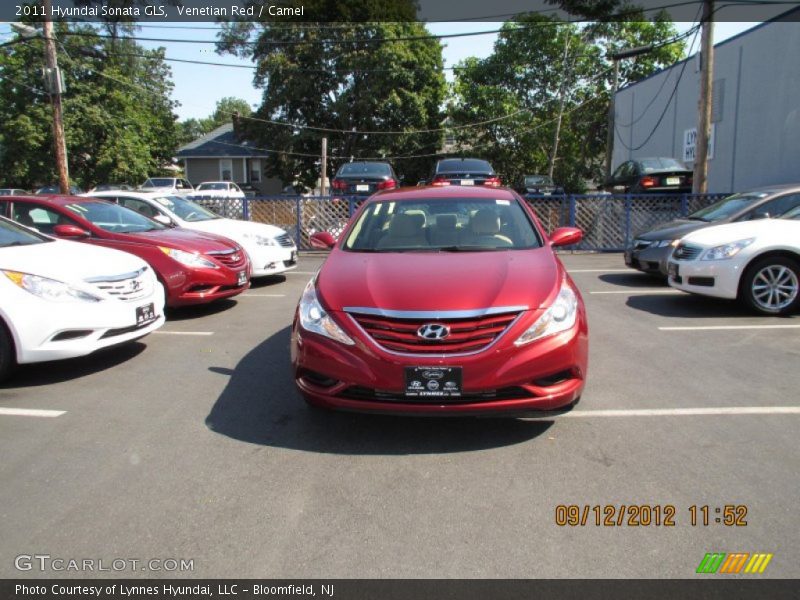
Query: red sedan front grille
[(230, 258), (465, 335)]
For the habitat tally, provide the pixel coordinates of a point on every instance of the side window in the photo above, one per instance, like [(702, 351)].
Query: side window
[(619, 174), (4, 208), (779, 206), (235, 188), (40, 218), (138, 205)]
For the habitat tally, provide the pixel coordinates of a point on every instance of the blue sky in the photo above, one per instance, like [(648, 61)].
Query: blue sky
[(199, 87)]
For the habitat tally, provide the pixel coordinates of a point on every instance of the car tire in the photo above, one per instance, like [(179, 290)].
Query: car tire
[(771, 286), (7, 362)]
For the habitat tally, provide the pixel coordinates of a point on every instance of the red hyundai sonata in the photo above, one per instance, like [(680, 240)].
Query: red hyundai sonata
[(442, 301), (193, 267)]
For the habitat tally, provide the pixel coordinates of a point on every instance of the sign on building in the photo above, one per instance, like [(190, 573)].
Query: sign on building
[(690, 144)]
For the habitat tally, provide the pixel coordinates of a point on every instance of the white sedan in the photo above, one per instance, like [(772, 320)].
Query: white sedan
[(217, 189), (61, 299), (757, 262), (272, 251)]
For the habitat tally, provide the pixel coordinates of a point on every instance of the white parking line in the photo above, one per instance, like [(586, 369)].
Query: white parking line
[(185, 332), (31, 412), (646, 291), (600, 271), (727, 327), (262, 295), (685, 412)]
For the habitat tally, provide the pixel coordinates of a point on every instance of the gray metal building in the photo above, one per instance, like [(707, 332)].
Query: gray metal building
[(755, 114)]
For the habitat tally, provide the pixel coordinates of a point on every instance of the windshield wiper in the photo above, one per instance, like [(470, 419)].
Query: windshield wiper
[(468, 249)]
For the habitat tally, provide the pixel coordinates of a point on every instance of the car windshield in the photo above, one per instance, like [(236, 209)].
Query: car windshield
[(186, 210), (159, 182), (660, 164), (538, 180), (377, 169), (466, 165), (12, 234), (113, 218), (442, 225), (726, 207), (213, 186)]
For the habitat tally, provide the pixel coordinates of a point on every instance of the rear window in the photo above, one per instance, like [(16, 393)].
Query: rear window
[(658, 164), (365, 169), (159, 182), (212, 186), (467, 164)]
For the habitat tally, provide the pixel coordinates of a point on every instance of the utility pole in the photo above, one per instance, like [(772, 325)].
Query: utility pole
[(53, 84), (612, 109), (562, 93), (323, 187), (700, 185)]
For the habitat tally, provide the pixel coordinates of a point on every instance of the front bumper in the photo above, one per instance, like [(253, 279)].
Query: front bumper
[(53, 333), (649, 260), (531, 380), (717, 278), (271, 260)]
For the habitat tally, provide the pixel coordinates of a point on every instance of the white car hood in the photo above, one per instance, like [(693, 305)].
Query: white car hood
[(68, 261), (234, 229), (731, 232)]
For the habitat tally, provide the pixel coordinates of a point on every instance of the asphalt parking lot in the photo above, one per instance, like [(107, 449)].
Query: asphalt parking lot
[(193, 444)]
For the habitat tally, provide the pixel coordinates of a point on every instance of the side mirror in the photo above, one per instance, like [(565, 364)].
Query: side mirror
[(566, 236), (164, 220), (322, 240), (70, 231)]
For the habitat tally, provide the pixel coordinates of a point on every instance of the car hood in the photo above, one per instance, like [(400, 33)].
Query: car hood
[(731, 232), (183, 239), (673, 230), (431, 281), (236, 230), (68, 261)]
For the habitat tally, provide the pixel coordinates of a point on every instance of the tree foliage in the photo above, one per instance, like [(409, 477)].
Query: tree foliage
[(338, 79), (191, 129), (118, 116), (541, 68)]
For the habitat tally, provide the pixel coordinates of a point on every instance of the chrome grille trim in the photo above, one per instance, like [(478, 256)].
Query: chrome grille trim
[(433, 314), (114, 278), (686, 252), (125, 287), (285, 240)]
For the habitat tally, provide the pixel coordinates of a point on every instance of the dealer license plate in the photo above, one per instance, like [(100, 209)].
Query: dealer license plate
[(242, 278), (467, 182), (673, 180), (362, 188), (433, 382), (145, 314)]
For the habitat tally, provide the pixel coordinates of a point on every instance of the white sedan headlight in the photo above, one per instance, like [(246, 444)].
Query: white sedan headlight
[(559, 317), (261, 240), (187, 258), (726, 250), (314, 318), (49, 289)]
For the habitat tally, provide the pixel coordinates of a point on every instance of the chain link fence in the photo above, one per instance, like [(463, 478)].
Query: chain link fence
[(609, 222)]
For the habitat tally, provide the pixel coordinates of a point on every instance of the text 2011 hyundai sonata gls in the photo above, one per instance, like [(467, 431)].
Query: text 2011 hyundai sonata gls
[(442, 301)]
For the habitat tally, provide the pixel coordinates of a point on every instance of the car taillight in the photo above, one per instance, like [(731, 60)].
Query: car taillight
[(389, 184), (647, 181), (440, 180), (492, 182), (339, 184)]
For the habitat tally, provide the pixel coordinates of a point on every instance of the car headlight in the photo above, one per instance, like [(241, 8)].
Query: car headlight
[(314, 318), (665, 243), (261, 240), (560, 316), (726, 250), (49, 289), (187, 258)]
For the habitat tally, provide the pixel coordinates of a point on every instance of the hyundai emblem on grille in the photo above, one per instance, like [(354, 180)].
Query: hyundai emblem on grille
[(433, 331)]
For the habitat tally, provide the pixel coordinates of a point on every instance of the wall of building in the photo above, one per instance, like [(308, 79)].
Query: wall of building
[(756, 110)]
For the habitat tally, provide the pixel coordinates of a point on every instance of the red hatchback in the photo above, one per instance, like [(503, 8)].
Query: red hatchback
[(193, 267), (442, 301)]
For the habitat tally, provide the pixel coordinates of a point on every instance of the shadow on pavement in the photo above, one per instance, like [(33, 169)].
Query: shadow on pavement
[(688, 306), (261, 406), (266, 282), (186, 313), (634, 280), (45, 373)]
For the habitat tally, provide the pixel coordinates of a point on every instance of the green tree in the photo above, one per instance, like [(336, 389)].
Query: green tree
[(344, 79), (118, 115), (554, 79)]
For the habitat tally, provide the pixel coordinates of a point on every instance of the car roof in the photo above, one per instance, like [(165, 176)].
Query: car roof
[(779, 188), (432, 192), (57, 199)]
